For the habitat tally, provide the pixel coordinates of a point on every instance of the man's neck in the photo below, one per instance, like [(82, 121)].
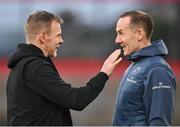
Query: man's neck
[(39, 46), (145, 43)]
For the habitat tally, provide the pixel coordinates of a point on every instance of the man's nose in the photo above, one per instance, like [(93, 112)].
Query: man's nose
[(118, 40), (61, 40)]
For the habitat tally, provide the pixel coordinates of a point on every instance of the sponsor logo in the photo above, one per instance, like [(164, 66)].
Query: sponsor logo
[(161, 86), (131, 80), (137, 69)]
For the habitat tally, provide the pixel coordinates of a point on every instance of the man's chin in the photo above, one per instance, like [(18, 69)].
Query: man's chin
[(125, 54), (54, 54)]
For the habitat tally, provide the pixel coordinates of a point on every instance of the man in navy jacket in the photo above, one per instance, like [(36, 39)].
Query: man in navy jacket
[(146, 93)]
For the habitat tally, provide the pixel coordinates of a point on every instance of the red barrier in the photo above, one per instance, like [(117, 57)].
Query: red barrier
[(86, 67)]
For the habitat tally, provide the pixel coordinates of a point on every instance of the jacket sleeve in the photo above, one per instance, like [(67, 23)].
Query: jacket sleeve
[(159, 96), (45, 81)]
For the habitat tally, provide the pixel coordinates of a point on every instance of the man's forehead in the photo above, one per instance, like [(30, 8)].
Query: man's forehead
[(123, 22), (56, 26)]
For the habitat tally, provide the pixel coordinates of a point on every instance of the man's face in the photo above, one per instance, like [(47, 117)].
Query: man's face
[(126, 36), (54, 39)]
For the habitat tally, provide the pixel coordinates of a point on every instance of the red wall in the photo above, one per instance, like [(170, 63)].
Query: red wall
[(86, 67)]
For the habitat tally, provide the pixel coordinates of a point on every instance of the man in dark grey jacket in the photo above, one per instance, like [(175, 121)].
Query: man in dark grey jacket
[(146, 93), (36, 94)]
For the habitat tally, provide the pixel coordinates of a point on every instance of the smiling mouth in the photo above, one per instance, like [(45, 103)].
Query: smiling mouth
[(57, 46), (56, 49), (123, 47)]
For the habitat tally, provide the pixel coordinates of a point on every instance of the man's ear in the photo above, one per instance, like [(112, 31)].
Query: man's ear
[(42, 37), (140, 34)]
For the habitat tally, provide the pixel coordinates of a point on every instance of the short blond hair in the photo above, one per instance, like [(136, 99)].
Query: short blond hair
[(38, 21)]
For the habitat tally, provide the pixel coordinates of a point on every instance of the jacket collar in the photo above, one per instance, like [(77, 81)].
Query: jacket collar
[(157, 48), (24, 50)]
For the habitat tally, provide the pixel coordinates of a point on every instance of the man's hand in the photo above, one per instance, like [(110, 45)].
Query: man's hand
[(111, 62)]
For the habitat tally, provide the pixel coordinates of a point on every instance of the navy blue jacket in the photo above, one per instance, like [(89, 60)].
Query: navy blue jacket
[(146, 93)]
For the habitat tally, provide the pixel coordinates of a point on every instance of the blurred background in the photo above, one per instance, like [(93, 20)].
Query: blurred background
[(89, 37)]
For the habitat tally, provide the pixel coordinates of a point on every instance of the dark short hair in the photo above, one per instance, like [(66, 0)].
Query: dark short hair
[(40, 20), (140, 18)]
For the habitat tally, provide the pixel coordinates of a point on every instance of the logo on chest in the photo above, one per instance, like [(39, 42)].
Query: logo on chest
[(134, 72), (131, 80)]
